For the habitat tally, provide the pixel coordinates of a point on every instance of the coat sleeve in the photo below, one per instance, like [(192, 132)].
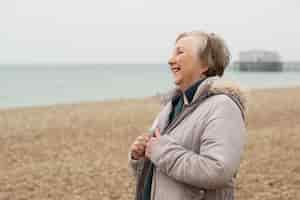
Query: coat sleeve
[(221, 146)]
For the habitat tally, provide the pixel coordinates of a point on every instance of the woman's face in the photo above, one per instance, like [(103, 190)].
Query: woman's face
[(184, 62)]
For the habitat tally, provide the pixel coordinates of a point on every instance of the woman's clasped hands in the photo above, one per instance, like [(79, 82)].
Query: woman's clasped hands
[(142, 146)]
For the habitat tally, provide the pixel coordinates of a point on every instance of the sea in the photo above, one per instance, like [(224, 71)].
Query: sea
[(41, 84)]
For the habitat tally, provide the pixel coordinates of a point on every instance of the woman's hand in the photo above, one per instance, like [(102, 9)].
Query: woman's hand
[(152, 141), (139, 146)]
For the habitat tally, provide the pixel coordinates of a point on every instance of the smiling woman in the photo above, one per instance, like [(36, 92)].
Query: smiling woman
[(195, 144), (201, 54)]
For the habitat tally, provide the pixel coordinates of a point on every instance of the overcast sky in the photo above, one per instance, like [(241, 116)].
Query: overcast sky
[(140, 31)]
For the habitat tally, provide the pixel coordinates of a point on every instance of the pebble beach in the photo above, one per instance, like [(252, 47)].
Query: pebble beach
[(79, 151)]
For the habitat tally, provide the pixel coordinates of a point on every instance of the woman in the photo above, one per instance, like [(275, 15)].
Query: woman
[(195, 144)]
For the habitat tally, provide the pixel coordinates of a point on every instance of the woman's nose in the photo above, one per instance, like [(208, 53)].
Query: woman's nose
[(171, 61)]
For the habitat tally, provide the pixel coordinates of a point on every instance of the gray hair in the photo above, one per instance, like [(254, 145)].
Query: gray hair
[(212, 50)]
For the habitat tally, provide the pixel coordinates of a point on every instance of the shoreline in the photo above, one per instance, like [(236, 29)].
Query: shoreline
[(125, 99)]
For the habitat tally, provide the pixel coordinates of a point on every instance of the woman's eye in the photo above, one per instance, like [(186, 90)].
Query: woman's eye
[(180, 52)]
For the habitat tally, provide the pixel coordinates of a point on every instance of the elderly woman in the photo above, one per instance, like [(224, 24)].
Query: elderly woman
[(194, 148)]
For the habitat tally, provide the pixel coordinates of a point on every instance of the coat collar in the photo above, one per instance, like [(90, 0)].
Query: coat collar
[(212, 86)]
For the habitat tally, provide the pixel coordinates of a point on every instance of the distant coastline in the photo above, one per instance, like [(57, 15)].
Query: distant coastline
[(287, 65)]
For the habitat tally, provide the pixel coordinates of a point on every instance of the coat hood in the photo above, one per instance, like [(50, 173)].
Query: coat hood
[(214, 86)]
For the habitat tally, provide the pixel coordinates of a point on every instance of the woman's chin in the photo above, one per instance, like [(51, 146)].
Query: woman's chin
[(177, 82)]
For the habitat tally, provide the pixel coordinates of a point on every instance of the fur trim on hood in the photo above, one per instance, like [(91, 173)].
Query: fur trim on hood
[(214, 86)]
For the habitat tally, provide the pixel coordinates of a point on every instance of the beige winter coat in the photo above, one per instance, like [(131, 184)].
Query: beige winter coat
[(198, 154)]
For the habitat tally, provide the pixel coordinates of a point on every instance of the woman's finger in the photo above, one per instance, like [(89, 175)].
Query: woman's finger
[(142, 139)]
